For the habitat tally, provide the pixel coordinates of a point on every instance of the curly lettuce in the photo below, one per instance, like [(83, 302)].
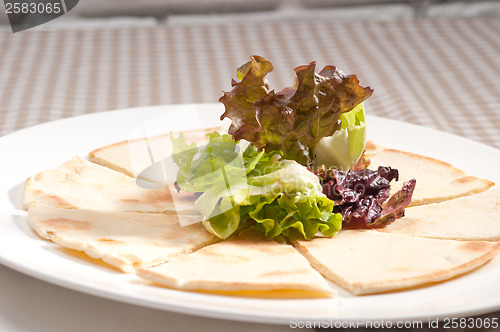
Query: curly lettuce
[(345, 147), (362, 197), (294, 120), (242, 187)]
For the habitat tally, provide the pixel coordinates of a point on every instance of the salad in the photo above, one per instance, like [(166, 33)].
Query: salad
[(292, 161)]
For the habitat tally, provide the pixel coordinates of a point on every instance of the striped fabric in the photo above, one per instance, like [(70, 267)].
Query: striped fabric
[(443, 74)]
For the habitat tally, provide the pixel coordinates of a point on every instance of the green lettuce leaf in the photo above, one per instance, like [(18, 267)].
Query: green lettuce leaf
[(343, 149), (243, 187), (294, 120)]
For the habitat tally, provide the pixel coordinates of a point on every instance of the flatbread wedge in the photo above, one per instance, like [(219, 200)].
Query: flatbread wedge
[(244, 265), (82, 184), (367, 261), (437, 181), (125, 240), (132, 157), (475, 217)]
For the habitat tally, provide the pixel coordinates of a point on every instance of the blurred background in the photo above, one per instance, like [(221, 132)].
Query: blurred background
[(169, 11), (429, 61)]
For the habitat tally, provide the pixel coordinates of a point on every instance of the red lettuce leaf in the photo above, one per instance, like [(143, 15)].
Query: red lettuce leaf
[(295, 119), (394, 208), (360, 195)]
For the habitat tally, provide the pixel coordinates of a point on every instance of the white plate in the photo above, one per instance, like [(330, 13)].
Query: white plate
[(45, 146)]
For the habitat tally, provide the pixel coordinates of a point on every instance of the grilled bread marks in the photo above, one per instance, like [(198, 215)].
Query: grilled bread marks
[(371, 149), (477, 245), (180, 235), (283, 273), (129, 200), (474, 217), (158, 197), (466, 180), (437, 181), (248, 262), (358, 260), (111, 241), (40, 196), (82, 184), (131, 157), (55, 201), (151, 197), (64, 225), (126, 240), (370, 146), (218, 256)]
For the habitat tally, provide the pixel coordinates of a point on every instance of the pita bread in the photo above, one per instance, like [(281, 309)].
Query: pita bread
[(99, 209), (126, 240), (240, 265), (437, 181), (367, 261), (371, 148), (132, 157), (475, 217), (82, 184)]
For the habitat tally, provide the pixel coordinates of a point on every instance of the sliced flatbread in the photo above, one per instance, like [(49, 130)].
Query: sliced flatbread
[(437, 181), (475, 217), (247, 263), (82, 184), (367, 261), (126, 240), (371, 148), (132, 157)]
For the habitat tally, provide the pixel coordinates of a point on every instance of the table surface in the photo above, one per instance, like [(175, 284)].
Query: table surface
[(440, 73)]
